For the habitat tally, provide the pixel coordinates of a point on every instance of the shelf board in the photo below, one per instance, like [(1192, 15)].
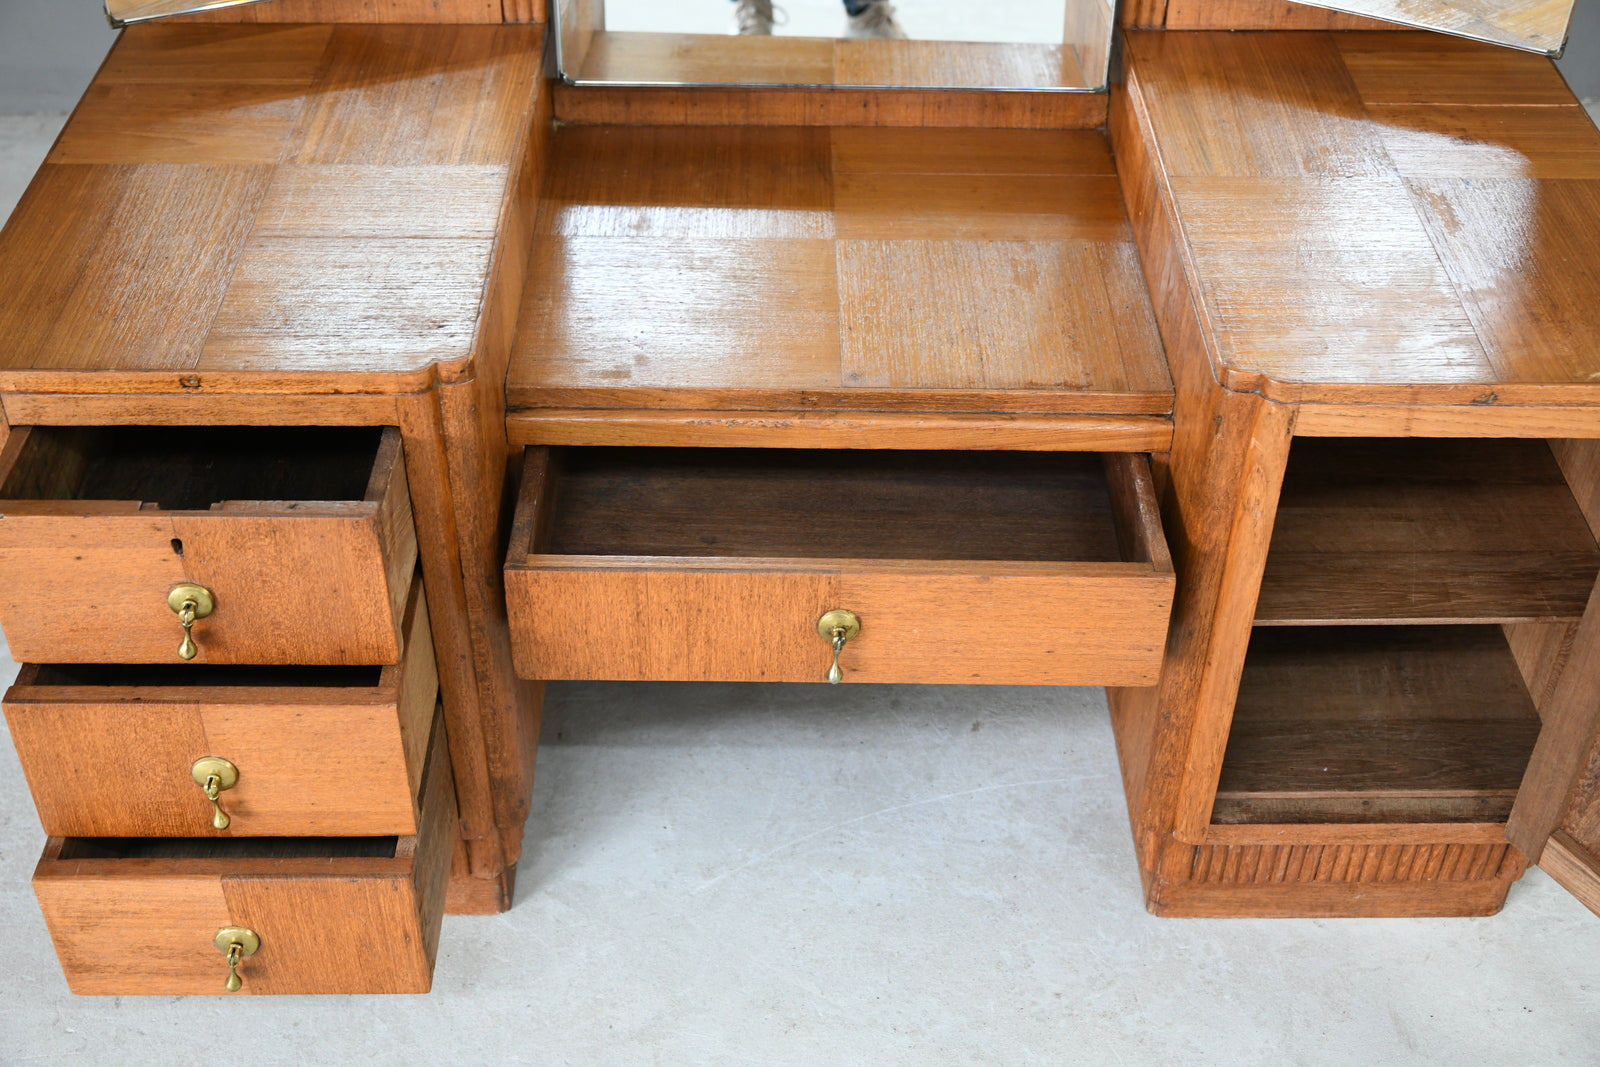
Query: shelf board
[(1425, 531), (1377, 724)]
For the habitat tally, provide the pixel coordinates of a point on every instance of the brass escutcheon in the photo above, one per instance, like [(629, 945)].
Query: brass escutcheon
[(236, 942), (838, 626), (214, 774), (190, 602)]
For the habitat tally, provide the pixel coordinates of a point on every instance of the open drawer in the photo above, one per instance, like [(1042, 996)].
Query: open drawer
[(301, 536), (717, 565), (113, 750), (330, 914)]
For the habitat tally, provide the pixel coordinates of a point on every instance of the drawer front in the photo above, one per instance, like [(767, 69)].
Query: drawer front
[(338, 923), (1026, 624), (311, 758), (303, 582), (579, 614)]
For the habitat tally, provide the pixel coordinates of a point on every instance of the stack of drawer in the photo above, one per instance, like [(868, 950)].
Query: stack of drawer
[(259, 800)]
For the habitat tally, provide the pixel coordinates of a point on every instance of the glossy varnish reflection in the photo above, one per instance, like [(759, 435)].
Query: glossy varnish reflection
[(806, 269)]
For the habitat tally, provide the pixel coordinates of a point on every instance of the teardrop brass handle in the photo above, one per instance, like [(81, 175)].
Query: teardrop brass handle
[(190, 602), (838, 626), (236, 942), (214, 774)]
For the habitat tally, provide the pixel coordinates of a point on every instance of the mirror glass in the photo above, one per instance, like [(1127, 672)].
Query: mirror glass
[(1531, 25), (965, 44)]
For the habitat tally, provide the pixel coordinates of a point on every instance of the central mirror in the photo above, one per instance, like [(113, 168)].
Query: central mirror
[(1061, 45)]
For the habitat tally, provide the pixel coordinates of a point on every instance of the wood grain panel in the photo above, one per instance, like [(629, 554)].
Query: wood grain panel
[(931, 108), (286, 56), (888, 206), (1261, 15), (1575, 868), (1516, 251), (1254, 106), (360, 11), (1055, 153), (1430, 68), (1499, 141), (244, 123)]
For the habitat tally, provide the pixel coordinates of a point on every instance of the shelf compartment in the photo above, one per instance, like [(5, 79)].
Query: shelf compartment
[(1425, 531), (1377, 724)]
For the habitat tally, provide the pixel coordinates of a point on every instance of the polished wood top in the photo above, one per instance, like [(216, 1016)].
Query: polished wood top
[(785, 269), (1378, 217), (231, 205)]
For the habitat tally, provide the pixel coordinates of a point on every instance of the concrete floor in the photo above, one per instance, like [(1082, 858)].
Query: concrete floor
[(809, 875)]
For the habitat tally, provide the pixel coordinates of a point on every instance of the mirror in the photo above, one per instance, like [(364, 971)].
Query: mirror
[(1059, 45), (1531, 25)]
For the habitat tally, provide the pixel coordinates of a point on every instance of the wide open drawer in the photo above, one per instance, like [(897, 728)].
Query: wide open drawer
[(717, 564), (332, 914), (109, 750), (302, 535)]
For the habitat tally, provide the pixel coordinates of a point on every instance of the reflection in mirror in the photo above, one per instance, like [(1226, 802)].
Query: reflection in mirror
[(1532, 25), (969, 44)]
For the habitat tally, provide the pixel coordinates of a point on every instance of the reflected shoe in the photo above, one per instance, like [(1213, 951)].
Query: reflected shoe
[(876, 20), (752, 18)]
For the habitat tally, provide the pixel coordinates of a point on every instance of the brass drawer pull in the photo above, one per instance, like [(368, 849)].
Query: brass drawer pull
[(214, 774), (190, 602), (838, 626), (236, 942)]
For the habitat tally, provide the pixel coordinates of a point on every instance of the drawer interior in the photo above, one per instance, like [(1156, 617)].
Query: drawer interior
[(226, 848), (1417, 593), (799, 503), (181, 468), (196, 675)]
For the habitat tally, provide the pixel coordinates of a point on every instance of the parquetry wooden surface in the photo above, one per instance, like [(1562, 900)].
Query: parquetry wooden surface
[(1379, 217), (252, 200), (804, 268)]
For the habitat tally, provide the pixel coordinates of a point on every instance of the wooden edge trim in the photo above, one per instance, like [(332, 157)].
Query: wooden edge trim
[(758, 565), (1490, 833), (384, 463), (533, 505), (832, 429), (1573, 867), (246, 695), (829, 106), (1138, 515)]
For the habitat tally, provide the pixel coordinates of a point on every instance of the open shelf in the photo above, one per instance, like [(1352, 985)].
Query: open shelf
[(1425, 531), (1377, 724)]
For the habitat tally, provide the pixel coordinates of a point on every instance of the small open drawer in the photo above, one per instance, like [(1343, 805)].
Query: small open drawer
[(332, 914), (301, 535), (111, 750), (717, 564)]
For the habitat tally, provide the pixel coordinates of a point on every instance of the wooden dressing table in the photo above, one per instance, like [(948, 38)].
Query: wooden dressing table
[(613, 357)]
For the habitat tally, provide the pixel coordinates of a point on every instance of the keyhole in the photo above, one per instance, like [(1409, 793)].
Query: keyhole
[(177, 546)]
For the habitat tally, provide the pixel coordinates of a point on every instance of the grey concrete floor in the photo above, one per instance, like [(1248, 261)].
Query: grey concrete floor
[(806, 875)]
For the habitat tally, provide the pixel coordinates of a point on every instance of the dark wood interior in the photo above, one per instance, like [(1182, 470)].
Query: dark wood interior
[(197, 675), (1425, 530), (808, 504), (182, 468), (1361, 724), (229, 848)]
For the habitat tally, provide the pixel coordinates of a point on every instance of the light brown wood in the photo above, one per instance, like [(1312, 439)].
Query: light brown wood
[(1575, 868), (1330, 269), (1262, 15), (333, 752), (734, 594), (231, 200), (406, 11), (161, 904), (295, 581), (815, 271), (828, 429), (844, 106)]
